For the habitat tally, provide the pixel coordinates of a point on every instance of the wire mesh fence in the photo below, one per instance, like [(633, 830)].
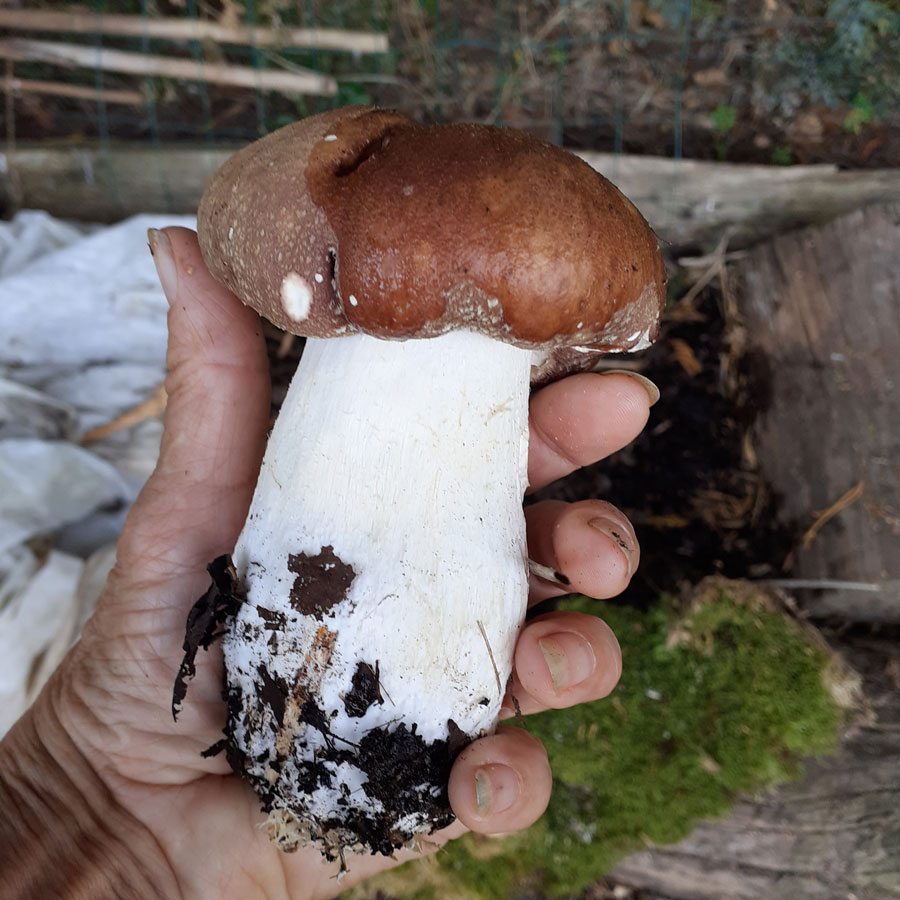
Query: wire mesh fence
[(771, 81)]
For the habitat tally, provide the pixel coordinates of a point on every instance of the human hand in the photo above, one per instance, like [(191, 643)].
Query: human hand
[(100, 747)]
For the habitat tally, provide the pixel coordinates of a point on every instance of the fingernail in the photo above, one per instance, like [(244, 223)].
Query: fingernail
[(569, 657), (651, 389), (496, 789), (161, 250), (619, 537)]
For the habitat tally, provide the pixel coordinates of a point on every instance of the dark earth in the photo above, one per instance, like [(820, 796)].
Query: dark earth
[(321, 581), (206, 620), (365, 690), (697, 506)]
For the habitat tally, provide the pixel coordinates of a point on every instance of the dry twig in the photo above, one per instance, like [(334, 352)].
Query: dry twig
[(487, 644), (151, 407), (172, 29), (821, 584), (685, 357), (75, 91), (167, 67), (714, 264), (285, 345), (827, 514)]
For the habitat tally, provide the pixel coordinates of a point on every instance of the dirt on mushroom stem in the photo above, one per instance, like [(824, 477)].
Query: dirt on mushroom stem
[(425, 548)]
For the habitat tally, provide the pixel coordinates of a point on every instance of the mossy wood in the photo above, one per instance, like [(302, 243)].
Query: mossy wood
[(725, 697), (821, 308), (833, 835)]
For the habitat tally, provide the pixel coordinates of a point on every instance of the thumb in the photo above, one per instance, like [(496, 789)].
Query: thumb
[(192, 507)]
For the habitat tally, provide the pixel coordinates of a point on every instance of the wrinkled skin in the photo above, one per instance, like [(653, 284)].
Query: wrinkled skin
[(183, 823)]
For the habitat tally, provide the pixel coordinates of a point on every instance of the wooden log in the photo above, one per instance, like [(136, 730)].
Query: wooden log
[(86, 184), (834, 835), (297, 81), (692, 202), (821, 309), (172, 29), (689, 203), (75, 91)]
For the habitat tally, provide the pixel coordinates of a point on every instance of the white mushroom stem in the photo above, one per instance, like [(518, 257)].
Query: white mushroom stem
[(408, 459)]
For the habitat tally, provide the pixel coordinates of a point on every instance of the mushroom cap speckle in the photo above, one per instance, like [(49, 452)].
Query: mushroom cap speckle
[(361, 220)]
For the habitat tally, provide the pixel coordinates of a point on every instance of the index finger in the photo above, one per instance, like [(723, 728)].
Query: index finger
[(582, 419)]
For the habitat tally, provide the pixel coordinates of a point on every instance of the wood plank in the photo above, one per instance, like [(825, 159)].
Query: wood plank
[(689, 203), (822, 313)]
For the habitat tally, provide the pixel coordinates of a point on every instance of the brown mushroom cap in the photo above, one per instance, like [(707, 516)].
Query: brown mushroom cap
[(361, 220)]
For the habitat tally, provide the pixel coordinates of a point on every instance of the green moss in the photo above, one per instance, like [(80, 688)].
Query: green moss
[(726, 697)]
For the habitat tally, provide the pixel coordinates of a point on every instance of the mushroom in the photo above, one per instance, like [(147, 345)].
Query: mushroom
[(381, 576)]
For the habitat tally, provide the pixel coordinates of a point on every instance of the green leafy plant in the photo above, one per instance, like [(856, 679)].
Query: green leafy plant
[(430, 7), (782, 155), (854, 55), (678, 13), (724, 118), (726, 697), (557, 56), (351, 93), (861, 113)]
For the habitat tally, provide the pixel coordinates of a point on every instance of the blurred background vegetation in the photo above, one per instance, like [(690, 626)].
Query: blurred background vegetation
[(770, 81)]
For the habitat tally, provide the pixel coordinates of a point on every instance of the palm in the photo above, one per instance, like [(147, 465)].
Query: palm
[(122, 671), (114, 696)]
